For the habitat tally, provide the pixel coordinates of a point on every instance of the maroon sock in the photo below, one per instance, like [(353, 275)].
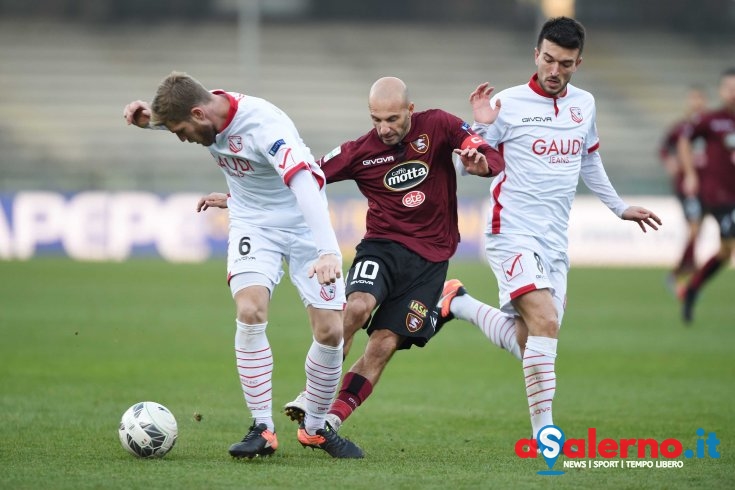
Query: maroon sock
[(355, 390), (704, 273), (687, 259)]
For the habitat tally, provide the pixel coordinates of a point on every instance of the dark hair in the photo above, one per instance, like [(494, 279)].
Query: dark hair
[(729, 72), (566, 32)]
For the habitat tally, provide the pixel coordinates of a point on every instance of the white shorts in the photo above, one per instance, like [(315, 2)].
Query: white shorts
[(521, 264), (259, 253)]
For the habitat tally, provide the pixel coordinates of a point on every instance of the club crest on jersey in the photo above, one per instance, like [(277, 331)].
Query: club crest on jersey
[(576, 114), (406, 175), (413, 323), (329, 292), (274, 149), (421, 144), (235, 143), (414, 199)]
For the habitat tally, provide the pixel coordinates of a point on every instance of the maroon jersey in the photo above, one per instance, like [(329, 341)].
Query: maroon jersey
[(411, 187), (717, 178), (668, 147)]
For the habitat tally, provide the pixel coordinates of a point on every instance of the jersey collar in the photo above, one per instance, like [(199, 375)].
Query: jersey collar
[(536, 87), (233, 108)]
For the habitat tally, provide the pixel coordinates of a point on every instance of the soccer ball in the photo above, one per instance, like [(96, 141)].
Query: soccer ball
[(148, 430)]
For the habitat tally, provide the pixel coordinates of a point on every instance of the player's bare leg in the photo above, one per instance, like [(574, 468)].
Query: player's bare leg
[(359, 381)]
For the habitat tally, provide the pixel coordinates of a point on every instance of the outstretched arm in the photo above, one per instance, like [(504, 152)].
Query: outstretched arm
[(596, 179)]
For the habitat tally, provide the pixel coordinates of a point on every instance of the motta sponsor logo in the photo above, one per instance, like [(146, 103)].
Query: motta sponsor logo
[(406, 175)]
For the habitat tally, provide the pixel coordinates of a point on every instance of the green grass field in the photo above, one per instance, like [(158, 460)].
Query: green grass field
[(80, 342)]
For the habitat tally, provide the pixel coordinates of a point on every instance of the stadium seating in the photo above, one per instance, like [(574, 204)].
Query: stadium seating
[(64, 87)]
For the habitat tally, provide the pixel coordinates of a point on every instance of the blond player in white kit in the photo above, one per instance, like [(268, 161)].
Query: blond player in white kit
[(278, 212), (547, 134)]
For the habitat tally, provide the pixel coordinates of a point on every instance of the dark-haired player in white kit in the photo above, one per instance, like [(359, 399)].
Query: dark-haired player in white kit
[(547, 132)]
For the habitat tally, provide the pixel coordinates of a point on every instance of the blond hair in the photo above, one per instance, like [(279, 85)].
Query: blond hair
[(176, 95)]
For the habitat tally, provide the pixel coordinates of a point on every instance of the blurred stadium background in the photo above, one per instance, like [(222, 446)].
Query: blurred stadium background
[(67, 68)]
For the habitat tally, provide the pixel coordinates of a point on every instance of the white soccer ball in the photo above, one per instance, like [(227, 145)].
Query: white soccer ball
[(148, 430)]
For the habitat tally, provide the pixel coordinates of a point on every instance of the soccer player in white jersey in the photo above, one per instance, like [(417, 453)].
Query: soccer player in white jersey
[(546, 132), (278, 211)]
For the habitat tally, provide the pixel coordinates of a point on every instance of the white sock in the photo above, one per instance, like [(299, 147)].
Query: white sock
[(323, 368), (255, 367), (497, 326), (540, 376)]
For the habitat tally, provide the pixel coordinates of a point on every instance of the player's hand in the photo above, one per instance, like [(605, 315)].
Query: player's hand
[(138, 112), (474, 161), (327, 268), (480, 102), (643, 217), (212, 200)]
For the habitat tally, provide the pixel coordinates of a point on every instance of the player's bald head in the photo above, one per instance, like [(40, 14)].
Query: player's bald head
[(388, 92), (390, 109)]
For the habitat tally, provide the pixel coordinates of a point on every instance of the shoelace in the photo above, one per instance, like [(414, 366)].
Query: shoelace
[(251, 435)]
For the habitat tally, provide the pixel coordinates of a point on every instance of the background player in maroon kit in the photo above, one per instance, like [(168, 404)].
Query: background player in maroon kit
[(715, 182), (696, 104)]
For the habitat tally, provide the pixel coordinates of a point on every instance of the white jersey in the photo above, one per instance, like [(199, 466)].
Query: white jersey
[(546, 141), (259, 151)]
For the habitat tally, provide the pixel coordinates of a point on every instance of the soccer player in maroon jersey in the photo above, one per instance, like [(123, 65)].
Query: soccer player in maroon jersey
[(404, 168), (715, 183), (696, 104)]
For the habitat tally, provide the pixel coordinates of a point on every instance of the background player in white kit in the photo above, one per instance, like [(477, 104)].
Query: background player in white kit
[(546, 131), (278, 211)]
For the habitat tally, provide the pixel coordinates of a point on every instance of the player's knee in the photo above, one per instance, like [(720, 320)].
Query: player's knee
[(357, 313), (544, 326), (251, 313), (381, 347)]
